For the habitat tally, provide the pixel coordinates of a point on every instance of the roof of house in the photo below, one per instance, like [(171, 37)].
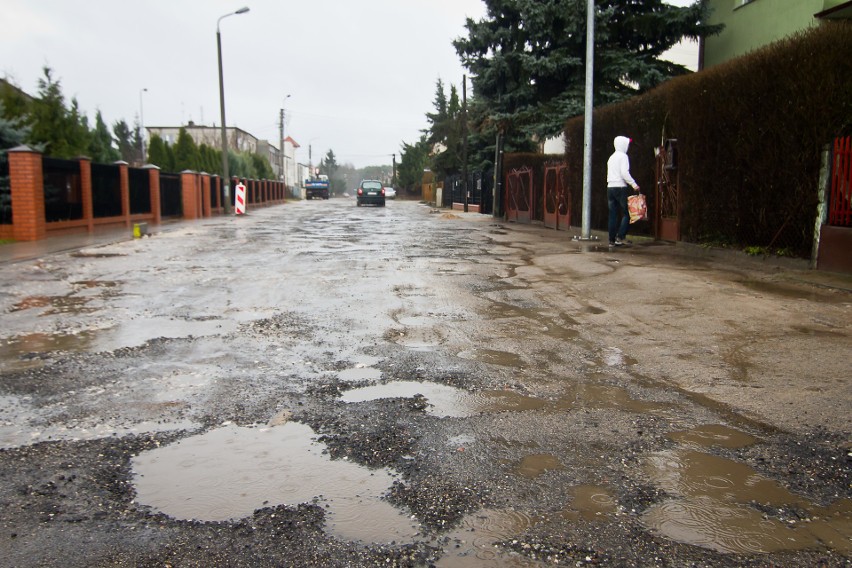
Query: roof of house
[(843, 10)]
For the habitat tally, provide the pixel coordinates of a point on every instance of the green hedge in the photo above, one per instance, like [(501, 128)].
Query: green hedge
[(750, 136)]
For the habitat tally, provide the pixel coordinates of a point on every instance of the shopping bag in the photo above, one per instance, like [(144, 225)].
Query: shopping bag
[(637, 207)]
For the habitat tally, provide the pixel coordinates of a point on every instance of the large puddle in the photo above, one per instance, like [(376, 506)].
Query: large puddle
[(716, 502), (229, 472)]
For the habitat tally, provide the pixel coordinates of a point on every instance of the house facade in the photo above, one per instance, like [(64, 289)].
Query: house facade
[(238, 140), (751, 24)]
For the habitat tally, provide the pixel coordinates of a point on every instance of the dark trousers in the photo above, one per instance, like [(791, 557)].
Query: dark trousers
[(619, 217)]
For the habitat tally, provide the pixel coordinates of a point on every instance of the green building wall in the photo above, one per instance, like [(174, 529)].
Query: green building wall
[(751, 24)]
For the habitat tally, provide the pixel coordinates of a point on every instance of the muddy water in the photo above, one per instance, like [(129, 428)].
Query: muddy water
[(473, 544), (445, 400), (229, 472), (717, 502), (590, 502)]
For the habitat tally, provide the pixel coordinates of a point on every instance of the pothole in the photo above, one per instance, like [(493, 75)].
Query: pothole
[(719, 504), (475, 543), (229, 472)]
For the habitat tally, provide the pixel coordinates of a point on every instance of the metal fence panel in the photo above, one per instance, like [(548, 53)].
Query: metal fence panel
[(106, 190), (5, 192), (840, 211), (171, 200), (140, 191), (63, 191)]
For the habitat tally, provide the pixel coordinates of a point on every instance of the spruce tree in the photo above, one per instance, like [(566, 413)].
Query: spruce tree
[(528, 58), (158, 153), (101, 147), (186, 152)]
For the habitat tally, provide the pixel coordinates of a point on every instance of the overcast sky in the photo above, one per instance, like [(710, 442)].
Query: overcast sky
[(360, 74)]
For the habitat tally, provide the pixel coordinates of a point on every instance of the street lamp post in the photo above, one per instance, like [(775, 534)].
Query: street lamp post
[(226, 179), (283, 163), (142, 126)]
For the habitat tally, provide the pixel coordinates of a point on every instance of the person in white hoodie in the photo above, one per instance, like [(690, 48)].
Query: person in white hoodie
[(618, 179)]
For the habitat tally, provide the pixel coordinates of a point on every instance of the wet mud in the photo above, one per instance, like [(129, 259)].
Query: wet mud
[(322, 385)]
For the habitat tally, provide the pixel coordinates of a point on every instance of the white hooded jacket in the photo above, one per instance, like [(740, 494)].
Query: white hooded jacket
[(618, 165)]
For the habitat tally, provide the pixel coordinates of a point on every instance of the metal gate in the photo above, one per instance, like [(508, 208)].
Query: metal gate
[(557, 197), (667, 217), (519, 195), (840, 201)]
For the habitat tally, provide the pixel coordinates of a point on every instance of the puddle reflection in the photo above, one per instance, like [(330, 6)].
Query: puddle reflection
[(536, 464), (25, 351), (229, 472), (447, 401), (473, 544), (589, 502), (713, 508), (709, 435)]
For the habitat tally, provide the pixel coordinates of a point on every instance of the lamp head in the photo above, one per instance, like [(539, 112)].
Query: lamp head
[(242, 10)]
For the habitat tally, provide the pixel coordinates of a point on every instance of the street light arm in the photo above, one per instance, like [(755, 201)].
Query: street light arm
[(242, 10)]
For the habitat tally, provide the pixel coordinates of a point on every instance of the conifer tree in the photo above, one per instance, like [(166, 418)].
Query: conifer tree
[(101, 147), (528, 58), (186, 152), (158, 153)]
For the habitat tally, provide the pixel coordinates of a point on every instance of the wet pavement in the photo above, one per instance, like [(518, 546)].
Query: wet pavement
[(316, 384)]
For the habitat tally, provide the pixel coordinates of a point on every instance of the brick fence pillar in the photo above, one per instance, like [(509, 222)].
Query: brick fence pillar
[(86, 191), (189, 194), (205, 195), (26, 179), (154, 189)]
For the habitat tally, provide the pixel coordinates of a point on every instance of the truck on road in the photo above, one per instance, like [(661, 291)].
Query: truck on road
[(317, 187)]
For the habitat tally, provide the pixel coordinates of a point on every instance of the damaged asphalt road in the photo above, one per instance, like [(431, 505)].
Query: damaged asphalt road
[(316, 384)]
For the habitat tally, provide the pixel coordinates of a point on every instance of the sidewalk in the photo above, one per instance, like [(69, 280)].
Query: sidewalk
[(30, 250)]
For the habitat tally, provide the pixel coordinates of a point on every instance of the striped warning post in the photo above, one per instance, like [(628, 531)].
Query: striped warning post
[(240, 199)]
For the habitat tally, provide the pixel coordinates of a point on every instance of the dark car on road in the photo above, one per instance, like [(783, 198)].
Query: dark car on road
[(371, 192)]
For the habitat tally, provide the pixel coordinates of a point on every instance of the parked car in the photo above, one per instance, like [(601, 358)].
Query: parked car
[(390, 193), (371, 192)]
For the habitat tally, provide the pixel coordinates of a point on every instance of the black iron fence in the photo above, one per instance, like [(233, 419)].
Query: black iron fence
[(63, 192), (106, 190), (171, 199), (212, 190), (140, 190), (5, 192), (479, 191)]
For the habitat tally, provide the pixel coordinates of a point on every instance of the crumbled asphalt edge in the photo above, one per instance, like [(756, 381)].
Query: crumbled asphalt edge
[(81, 492), (383, 433)]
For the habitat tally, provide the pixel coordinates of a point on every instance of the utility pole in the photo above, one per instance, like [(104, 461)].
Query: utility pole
[(586, 232), (281, 150), (393, 174), (464, 147)]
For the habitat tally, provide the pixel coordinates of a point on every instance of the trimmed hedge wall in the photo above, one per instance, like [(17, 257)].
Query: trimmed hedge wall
[(750, 137)]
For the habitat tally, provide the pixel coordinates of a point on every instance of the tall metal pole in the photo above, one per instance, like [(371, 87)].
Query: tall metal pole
[(142, 126), (226, 177), (281, 150), (464, 147), (587, 130), (283, 155)]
